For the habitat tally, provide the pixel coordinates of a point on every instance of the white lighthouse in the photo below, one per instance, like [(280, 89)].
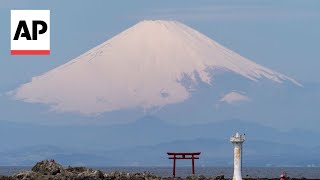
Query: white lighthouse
[(237, 141)]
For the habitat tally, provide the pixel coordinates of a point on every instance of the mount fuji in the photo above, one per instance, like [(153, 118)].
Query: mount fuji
[(153, 65)]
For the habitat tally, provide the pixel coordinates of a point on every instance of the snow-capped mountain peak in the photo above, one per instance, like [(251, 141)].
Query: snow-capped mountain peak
[(140, 67)]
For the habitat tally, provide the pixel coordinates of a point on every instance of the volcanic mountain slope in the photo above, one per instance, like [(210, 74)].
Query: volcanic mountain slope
[(142, 67)]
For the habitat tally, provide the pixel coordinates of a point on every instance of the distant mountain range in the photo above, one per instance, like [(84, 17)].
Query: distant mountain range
[(214, 153), (145, 143)]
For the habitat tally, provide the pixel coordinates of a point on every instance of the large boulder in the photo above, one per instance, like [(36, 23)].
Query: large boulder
[(48, 168)]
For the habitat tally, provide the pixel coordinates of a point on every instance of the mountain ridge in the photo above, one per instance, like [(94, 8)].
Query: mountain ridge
[(215, 152)]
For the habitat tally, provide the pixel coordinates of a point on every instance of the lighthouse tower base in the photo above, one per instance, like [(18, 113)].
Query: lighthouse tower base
[(237, 162), (237, 141)]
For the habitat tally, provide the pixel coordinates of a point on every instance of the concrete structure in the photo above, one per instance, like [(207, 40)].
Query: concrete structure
[(237, 141)]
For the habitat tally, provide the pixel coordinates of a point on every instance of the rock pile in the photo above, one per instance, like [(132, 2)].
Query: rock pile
[(50, 170)]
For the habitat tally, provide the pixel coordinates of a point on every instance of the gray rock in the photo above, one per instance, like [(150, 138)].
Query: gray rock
[(47, 168)]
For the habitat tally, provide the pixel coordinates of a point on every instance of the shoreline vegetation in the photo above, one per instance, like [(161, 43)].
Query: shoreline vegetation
[(50, 170)]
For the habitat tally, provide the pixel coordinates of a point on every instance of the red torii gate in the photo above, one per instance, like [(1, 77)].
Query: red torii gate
[(183, 155)]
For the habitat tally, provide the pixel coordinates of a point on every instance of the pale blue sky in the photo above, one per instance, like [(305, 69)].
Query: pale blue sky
[(282, 35)]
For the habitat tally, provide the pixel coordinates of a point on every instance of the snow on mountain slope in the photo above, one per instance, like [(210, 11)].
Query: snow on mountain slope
[(234, 97), (140, 67)]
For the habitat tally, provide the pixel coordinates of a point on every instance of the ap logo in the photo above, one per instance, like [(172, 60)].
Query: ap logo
[(30, 32)]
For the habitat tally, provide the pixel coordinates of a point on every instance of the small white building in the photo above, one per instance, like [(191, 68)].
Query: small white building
[(237, 141)]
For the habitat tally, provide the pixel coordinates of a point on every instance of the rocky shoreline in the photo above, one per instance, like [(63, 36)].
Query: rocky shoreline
[(50, 170)]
